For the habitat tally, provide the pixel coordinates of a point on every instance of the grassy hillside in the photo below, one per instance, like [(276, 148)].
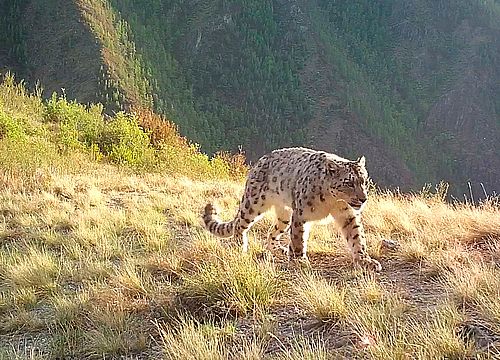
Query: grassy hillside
[(412, 86), (102, 255)]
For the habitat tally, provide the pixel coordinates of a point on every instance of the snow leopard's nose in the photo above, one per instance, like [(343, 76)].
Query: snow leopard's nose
[(362, 200)]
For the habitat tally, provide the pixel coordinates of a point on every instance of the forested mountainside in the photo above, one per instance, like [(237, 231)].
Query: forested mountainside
[(415, 86)]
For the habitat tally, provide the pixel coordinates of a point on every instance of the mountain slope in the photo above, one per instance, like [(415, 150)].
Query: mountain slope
[(54, 47), (103, 255), (414, 86), (396, 64)]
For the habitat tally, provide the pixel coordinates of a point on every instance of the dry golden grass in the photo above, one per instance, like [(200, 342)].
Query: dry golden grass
[(99, 261), (188, 339), (110, 263), (102, 261), (322, 300)]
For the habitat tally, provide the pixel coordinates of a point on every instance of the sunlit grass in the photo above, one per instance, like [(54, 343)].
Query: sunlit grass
[(472, 282), (231, 283), (35, 269), (98, 271), (106, 261), (325, 302), (113, 332), (188, 339)]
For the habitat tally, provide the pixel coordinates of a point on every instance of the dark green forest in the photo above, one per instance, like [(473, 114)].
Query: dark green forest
[(413, 85)]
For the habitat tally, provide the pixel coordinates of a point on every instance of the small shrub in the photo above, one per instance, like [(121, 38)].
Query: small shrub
[(125, 142), (120, 139), (175, 154), (160, 129), (142, 140), (10, 127), (26, 107), (78, 125)]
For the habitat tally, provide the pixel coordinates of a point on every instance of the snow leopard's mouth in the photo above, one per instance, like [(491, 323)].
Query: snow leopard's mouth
[(357, 204)]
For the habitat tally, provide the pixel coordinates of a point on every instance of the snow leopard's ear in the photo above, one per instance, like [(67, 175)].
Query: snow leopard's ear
[(361, 161)]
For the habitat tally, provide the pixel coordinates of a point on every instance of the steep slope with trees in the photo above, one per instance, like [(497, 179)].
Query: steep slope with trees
[(414, 86)]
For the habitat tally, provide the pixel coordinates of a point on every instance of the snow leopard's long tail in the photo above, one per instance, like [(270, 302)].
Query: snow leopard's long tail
[(215, 226)]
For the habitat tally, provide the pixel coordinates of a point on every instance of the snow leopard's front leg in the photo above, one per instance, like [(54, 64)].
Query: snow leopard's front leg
[(352, 230)]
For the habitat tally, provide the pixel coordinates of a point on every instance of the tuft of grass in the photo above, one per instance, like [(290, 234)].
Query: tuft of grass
[(429, 221), (489, 308), (147, 228), (22, 320), (472, 282), (189, 339), (133, 280), (438, 337), (21, 353), (313, 348), (414, 251), (35, 269), (476, 287), (369, 290), (67, 341), (112, 332), (68, 310), (25, 298), (233, 284), (434, 337), (379, 319), (324, 301)]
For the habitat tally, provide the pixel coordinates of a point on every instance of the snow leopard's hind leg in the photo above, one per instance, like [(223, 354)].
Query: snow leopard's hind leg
[(280, 226), (253, 205)]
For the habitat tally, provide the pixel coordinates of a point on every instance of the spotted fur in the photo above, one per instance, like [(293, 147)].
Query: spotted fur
[(302, 185)]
